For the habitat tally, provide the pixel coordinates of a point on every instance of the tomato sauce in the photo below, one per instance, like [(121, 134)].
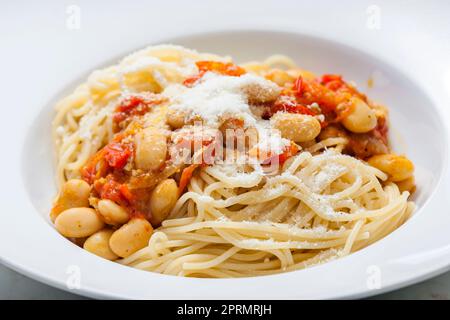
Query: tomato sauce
[(117, 154), (289, 151), (135, 106), (289, 104), (226, 69)]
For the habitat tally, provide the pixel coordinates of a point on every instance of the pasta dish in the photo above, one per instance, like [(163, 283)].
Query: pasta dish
[(185, 163)]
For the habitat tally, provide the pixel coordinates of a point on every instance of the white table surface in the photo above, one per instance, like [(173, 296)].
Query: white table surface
[(16, 286)]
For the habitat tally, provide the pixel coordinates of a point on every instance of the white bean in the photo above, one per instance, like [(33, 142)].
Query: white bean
[(175, 118), (151, 149), (296, 127), (78, 222), (361, 117), (280, 77), (261, 92), (98, 244), (131, 237), (74, 193), (112, 213), (162, 200), (397, 167)]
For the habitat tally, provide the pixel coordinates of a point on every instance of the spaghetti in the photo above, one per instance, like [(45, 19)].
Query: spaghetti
[(335, 187)]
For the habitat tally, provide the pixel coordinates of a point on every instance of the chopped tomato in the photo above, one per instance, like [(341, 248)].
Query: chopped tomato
[(227, 69), (189, 82), (109, 188), (113, 156), (326, 78), (337, 84), (327, 99), (334, 85), (114, 188), (117, 154), (135, 106), (129, 107), (298, 86), (130, 104), (288, 152), (186, 176), (333, 82), (95, 168), (126, 192)]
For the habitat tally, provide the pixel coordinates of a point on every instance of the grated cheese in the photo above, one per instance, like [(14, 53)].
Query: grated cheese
[(216, 95), (271, 141), (328, 173)]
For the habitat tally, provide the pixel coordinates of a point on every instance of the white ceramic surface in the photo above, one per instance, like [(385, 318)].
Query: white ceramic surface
[(44, 59)]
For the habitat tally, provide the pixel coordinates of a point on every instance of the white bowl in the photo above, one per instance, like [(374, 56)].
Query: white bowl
[(418, 249)]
